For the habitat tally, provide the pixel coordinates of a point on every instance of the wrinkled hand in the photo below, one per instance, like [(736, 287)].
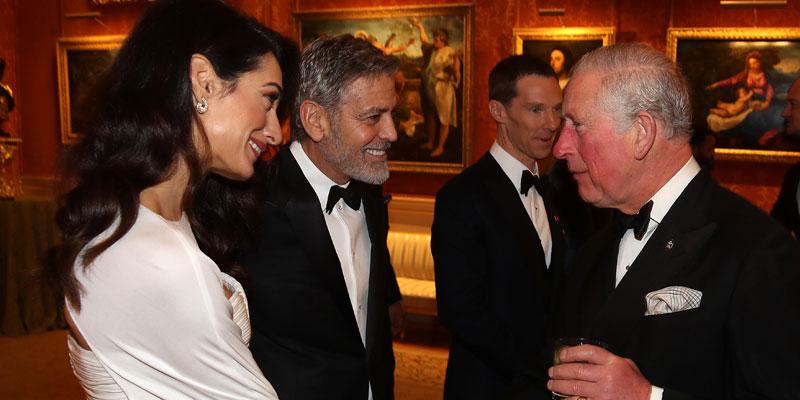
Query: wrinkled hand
[(396, 319), (597, 374)]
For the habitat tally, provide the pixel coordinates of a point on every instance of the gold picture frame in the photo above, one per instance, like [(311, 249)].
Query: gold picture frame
[(80, 61), (726, 65), (561, 47), (552, 36), (391, 29)]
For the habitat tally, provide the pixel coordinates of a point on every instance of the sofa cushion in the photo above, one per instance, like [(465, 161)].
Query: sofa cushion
[(411, 254)]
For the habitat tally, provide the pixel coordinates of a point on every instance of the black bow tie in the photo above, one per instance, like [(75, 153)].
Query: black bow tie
[(351, 196), (528, 180), (637, 222)]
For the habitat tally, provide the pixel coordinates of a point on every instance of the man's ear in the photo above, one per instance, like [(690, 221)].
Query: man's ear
[(314, 119), (498, 111), (645, 128), (205, 82)]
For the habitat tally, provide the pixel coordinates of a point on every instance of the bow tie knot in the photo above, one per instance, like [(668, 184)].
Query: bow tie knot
[(351, 196), (530, 180), (638, 222)]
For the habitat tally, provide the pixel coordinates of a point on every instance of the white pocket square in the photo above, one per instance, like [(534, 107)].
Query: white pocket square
[(672, 299)]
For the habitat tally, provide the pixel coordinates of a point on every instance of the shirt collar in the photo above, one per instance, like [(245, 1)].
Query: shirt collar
[(512, 167), (669, 193), (318, 180)]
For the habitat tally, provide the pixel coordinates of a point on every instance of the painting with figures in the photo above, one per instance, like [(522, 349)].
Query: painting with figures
[(739, 79), (433, 83)]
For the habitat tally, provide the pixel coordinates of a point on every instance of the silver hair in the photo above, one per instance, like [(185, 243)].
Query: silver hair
[(329, 64), (634, 78)]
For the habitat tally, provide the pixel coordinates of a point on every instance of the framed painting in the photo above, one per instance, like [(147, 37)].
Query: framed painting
[(739, 78), (434, 45), (561, 47), (81, 62)]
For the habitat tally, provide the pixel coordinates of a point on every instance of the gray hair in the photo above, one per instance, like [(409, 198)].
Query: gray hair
[(329, 64), (635, 78)]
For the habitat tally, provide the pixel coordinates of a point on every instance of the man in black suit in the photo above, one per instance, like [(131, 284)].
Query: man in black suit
[(321, 283), (787, 208), (694, 290), (496, 241)]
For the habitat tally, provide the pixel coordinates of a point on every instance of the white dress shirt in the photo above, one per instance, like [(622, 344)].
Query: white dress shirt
[(348, 231), (532, 201), (629, 247), (798, 197)]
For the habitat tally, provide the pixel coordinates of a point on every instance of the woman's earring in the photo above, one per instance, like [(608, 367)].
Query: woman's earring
[(201, 106)]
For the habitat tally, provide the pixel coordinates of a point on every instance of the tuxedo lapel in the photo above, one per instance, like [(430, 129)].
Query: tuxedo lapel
[(668, 254), (504, 199), (376, 226), (557, 234), (305, 215), (597, 277)]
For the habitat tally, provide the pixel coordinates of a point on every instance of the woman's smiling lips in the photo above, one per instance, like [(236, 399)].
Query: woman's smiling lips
[(257, 146)]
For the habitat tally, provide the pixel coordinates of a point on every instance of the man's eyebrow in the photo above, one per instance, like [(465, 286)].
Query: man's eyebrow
[(538, 103), (533, 103), (374, 110)]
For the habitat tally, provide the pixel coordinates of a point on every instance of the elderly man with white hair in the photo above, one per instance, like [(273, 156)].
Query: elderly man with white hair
[(693, 291)]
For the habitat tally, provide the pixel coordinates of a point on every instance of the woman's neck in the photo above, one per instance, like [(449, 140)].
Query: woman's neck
[(166, 198)]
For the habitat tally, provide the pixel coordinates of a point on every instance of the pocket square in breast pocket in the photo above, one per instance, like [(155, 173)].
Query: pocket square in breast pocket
[(672, 299)]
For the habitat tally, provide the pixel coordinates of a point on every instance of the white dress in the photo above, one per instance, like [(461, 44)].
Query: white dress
[(441, 87), (157, 321)]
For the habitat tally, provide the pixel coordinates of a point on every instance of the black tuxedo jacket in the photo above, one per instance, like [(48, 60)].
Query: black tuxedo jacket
[(741, 342), (785, 208), (493, 289), (305, 336)]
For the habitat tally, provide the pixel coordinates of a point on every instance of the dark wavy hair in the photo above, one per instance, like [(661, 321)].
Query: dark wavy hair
[(141, 126)]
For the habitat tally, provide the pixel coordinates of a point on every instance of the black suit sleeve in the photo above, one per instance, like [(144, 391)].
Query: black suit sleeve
[(393, 291), (764, 323), (785, 209), (764, 326), (461, 263)]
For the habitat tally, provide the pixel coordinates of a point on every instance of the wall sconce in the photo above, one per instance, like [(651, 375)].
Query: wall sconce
[(551, 11), (80, 15), (753, 3)]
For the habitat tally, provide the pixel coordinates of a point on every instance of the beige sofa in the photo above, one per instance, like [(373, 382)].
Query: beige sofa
[(413, 265), (409, 245)]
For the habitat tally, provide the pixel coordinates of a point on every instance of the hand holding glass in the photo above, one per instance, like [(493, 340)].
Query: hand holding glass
[(563, 343)]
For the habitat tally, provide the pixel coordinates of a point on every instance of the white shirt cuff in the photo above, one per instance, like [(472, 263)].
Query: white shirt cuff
[(656, 393)]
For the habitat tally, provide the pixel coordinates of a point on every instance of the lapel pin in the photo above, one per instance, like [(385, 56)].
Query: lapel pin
[(670, 244)]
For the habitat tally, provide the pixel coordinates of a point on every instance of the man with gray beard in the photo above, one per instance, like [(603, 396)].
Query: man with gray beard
[(322, 288)]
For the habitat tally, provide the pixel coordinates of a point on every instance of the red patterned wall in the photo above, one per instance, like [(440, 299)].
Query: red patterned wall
[(8, 51), (39, 23)]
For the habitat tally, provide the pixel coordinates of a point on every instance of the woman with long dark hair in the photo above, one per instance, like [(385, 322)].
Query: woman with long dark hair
[(159, 201)]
